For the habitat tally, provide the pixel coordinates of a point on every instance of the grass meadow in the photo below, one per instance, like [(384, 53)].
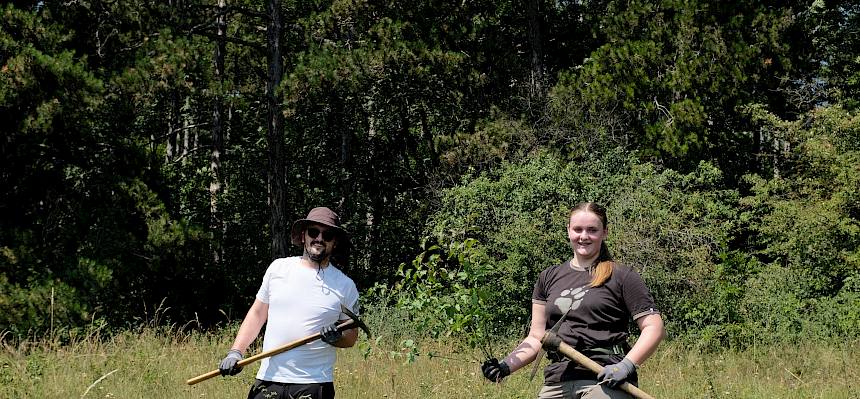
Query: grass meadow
[(153, 362)]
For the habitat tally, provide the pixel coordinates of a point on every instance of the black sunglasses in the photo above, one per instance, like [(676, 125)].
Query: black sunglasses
[(327, 235)]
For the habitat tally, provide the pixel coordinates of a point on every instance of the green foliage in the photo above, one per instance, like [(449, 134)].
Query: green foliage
[(675, 229), (834, 28), (805, 225), (668, 76), (368, 89), (43, 81), (38, 306), (47, 98), (446, 291)]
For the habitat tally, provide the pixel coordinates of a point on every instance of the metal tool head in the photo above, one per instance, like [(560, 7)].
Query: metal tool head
[(356, 320), (537, 361), (541, 352)]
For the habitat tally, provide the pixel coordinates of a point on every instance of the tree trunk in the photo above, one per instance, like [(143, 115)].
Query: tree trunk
[(172, 126), (346, 177), (216, 176), (275, 134), (370, 211), (536, 80)]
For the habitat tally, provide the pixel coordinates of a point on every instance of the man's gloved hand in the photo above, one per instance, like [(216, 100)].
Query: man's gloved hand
[(228, 365), (494, 370), (330, 334), (614, 375)]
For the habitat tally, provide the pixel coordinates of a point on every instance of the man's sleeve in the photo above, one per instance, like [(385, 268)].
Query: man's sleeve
[(350, 300), (263, 292)]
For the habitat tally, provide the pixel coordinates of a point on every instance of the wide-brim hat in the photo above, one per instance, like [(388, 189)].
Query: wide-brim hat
[(320, 215)]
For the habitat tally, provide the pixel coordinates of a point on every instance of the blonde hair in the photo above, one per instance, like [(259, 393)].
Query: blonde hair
[(604, 262)]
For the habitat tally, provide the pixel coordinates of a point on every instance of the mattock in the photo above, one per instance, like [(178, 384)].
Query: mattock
[(353, 322), (541, 352)]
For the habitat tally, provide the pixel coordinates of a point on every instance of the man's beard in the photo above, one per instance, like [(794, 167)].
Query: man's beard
[(317, 257)]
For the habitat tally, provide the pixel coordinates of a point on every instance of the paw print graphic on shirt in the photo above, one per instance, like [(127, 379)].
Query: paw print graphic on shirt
[(570, 299)]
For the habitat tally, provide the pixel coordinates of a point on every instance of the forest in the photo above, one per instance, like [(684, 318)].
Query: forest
[(154, 155)]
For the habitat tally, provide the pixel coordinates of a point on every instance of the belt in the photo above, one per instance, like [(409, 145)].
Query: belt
[(616, 349)]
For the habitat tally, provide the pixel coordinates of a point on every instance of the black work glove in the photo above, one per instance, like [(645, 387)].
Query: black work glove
[(228, 365), (330, 334), (614, 375), (494, 370)]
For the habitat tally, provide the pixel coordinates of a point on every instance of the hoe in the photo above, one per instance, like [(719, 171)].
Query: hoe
[(353, 322)]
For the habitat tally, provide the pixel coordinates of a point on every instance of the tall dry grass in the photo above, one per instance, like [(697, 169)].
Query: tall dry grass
[(155, 362)]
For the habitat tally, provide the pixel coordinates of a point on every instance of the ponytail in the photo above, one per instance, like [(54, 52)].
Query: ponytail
[(603, 270)]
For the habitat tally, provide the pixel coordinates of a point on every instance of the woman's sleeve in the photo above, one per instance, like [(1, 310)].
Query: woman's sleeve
[(637, 297), (539, 294)]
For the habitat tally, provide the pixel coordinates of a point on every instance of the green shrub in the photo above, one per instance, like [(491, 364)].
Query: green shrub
[(36, 308), (804, 223), (445, 291)]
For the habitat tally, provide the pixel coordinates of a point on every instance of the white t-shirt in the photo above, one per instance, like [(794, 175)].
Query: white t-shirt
[(302, 300)]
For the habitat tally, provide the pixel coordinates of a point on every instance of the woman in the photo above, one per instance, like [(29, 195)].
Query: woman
[(596, 297)]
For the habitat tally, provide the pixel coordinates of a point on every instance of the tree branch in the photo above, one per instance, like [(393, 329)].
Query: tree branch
[(247, 12), (235, 40), (233, 10)]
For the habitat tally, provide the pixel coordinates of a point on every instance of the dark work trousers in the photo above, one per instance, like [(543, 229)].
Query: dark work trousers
[(281, 390)]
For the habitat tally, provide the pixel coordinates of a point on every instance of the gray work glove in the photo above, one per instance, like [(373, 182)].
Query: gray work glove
[(494, 370), (614, 375), (330, 334), (228, 365)]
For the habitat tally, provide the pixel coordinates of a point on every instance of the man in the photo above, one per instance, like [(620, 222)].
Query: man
[(300, 296)]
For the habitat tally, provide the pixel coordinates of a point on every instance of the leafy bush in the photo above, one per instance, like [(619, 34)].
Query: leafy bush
[(445, 291), (805, 225), (38, 307)]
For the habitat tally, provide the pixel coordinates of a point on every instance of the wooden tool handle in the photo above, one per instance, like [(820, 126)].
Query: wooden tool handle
[(550, 340), (578, 357), (272, 352), (203, 377)]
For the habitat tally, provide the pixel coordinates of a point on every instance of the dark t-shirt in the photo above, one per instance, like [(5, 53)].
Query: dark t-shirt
[(599, 316)]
